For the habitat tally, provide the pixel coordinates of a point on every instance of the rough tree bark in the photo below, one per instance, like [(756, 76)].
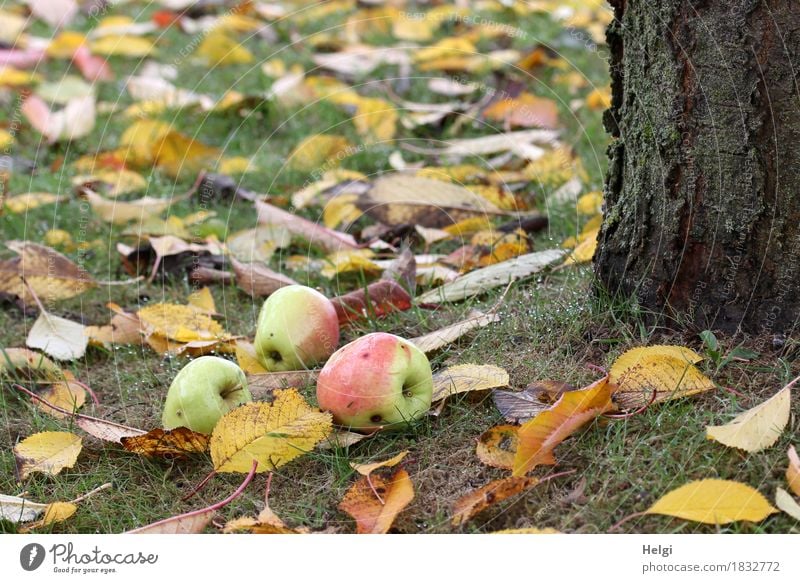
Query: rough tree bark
[(702, 218)]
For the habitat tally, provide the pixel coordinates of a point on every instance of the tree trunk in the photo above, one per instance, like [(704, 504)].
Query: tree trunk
[(702, 218)]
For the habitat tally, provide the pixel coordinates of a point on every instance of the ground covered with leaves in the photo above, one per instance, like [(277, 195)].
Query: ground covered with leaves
[(168, 165)]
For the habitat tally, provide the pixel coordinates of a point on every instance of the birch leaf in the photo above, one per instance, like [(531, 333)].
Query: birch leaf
[(58, 337), (785, 502), (271, 433), (48, 452), (714, 501), (67, 395), (51, 275), (757, 428)]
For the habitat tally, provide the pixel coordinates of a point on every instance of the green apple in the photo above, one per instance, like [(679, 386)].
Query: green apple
[(380, 381), (202, 392), (297, 328)]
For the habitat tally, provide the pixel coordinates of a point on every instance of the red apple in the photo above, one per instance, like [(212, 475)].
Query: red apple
[(380, 381)]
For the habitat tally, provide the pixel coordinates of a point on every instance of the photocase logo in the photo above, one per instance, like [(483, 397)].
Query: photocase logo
[(31, 556)]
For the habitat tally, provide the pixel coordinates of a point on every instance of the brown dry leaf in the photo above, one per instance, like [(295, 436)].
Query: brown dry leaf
[(175, 443), (18, 509), (258, 280), (374, 501), (180, 323), (714, 501), (58, 337), (444, 336), (667, 370), (68, 395), (397, 199), (271, 433), (497, 447), (262, 385), (539, 436), (367, 469), (51, 275), (341, 439), (520, 406), (320, 150), (758, 428), (376, 300), (48, 452), (479, 500), (525, 110), (464, 378), (310, 233), (793, 470)]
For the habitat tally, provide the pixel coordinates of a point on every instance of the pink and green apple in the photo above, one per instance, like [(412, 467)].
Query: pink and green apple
[(380, 381), (297, 328), (202, 392)]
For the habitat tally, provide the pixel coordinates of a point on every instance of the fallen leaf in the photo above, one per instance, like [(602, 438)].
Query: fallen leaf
[(51, 275), (259, 280), (56, 13), (318, 151), (793, 471), (125, 328), (257, 245), (525, 110), (310, 233), (464, 378), (539, 436), (477, 501), (667, 370), (16, 509), (494, 144), (68, 395), (374, 501), (449, 334), (28, 364), (341, 438), (180, 323), (378, 299), (55, 512), (22, 203), (48, 452), (520, 406), (713, 501), (75, 121), (493, 276), (497, 447), (785, 502), (358, 261), (758, 428), (271, 433), (263, 385), (367, 469), (175, 443), (267, 522), (122, 45), (119, 212), (217, 48), (58, 337)]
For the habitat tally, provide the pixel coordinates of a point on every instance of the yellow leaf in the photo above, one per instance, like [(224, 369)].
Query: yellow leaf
[(376, 119), (367, 469), (464, 378), (119, 212), (11, 77), (203, 301), (22, 203), (757, 428), (181, 323), (123, 45), (6, 139), (21, 361), (714, 501), (583, 251), (140, 139), (319, 150), (668, 370), (55, 512), (121, 181), (590, 203), (57, 337), (539, 436), (64, 45), (449, 47), (270, 433), (793, 471), (179, 154), (414, 29), (374, 501), (785, 502), (218, 48), (247, 358), (599, 99), (349, 261), (469, 226), (497, 447), (48, 452), (341, 209), (236, 165), (68, 395)]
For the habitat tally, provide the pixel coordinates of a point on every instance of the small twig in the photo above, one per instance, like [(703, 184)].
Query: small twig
[(626, 519), (199, 486), (105, 486), (596, 368), (33, 294), (86, 388), (374, 491), (638, 411), (266, 490), (734, 391)]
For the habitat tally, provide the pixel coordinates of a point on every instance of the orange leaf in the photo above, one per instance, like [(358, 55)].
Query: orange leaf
[(479, 500), (539, 436), (175, 443), (375, 500)]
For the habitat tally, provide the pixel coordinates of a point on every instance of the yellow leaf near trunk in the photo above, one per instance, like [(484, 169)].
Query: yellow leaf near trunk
[(465, 378), (48, 452), (539, 436), (793, 471), (271, 433), (714, 501), (667, 370), (759, 427), (375, 501)]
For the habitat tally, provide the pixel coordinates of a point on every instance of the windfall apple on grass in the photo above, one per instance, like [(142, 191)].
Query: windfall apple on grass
[(380, 381), (202, 392), (297, 328)]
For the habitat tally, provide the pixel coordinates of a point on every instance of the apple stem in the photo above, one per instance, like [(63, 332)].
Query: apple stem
[(199, 486), (374, 491)]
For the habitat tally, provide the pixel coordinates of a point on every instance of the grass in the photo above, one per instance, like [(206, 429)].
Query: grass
[(551, 327)]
